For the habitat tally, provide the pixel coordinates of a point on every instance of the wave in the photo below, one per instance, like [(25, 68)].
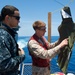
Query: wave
[(22, 43)]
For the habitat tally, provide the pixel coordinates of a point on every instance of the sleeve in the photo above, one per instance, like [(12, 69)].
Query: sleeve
[(38, 51), (51, 45), (7, 61)]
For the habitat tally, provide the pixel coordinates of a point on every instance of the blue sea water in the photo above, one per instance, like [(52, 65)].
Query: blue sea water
[(22, 41)]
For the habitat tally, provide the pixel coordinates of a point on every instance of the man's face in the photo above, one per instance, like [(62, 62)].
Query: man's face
[(41, 31), (14, 19)]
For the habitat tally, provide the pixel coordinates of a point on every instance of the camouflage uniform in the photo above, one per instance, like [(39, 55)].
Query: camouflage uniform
[(9, 58)]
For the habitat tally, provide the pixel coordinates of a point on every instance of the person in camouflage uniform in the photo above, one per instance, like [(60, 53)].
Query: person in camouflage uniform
[(10, 54), (41, 50)]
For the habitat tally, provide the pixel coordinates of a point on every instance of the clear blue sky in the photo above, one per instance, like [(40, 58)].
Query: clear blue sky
[(32, 10)]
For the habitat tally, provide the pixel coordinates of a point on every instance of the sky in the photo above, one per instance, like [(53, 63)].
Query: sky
[(33, 10)]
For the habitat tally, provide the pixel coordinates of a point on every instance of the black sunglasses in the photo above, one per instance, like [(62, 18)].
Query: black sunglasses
[(17, 17)]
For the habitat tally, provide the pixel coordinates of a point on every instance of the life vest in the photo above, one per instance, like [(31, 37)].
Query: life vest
[(39, 62)]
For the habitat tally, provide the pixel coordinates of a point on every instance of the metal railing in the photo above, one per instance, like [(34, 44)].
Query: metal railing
[(26, 69)]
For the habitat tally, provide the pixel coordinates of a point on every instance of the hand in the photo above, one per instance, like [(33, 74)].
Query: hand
[(64, 43), (21, 51)]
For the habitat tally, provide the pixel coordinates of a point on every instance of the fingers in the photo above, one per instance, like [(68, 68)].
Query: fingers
[(21, 51)]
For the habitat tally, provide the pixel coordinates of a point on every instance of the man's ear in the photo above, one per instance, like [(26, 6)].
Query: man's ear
[(7, 17)]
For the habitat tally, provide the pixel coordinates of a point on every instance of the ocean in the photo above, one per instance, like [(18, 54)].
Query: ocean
[(22, 41)]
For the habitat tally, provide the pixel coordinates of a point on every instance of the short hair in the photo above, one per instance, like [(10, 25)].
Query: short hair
[(8, 10), (38, 24)]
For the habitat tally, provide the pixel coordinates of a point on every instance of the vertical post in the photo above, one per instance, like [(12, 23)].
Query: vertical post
[(49, 27)]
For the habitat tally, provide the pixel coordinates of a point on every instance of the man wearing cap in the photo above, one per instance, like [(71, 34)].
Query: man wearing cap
[(41, 50)]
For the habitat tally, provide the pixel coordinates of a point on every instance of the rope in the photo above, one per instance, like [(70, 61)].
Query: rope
[(62, 5), (59, 3), (70, 2)]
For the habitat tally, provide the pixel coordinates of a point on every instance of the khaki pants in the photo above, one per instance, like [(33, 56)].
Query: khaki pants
[(40, 71)]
